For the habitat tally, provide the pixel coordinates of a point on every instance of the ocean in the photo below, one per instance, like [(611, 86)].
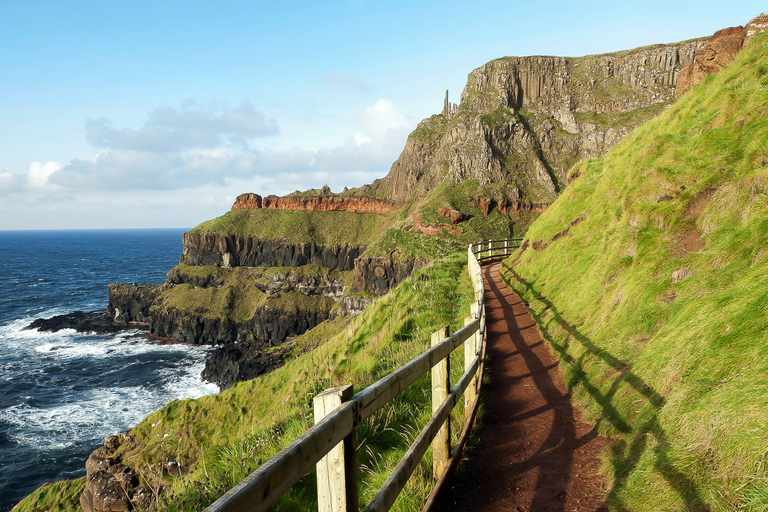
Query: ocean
[(62, 393)]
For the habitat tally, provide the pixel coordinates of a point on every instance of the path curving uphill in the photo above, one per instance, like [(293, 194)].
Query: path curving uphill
[(534, 452)]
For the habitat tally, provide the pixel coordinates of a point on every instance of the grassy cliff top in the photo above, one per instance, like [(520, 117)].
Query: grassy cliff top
[(649, 277), (324, 228)]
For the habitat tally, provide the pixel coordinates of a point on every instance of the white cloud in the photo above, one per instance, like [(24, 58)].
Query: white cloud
[(168, 129), (10, 182), (193, 147), (40, 173)]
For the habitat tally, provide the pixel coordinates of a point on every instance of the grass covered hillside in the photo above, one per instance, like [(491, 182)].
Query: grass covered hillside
[(414, 231), (218, 440), (649, 276)]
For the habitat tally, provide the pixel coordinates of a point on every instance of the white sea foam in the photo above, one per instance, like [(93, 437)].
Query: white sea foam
[(95, 413)]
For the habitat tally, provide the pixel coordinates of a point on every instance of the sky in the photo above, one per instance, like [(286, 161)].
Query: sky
[(150, 114)]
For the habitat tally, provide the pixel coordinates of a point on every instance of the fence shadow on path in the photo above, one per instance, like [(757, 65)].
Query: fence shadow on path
[(626, 453)]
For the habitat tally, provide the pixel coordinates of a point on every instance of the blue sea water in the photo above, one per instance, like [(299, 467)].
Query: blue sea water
[(62, 393)]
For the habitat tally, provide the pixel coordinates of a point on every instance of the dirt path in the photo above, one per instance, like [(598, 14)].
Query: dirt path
[(534, 452)]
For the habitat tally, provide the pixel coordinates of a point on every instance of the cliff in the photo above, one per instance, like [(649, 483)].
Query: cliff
[(228, 250), (648, 277), (524, 121), (720, 50), (330, 203)]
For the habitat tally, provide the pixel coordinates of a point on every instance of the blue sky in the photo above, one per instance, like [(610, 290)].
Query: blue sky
[(157, 114)]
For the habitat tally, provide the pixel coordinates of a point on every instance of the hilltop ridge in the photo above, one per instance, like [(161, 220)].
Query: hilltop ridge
[(648, 277)]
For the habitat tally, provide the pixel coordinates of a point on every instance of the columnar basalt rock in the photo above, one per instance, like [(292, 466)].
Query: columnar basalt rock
[(524, 121), (227, 250)]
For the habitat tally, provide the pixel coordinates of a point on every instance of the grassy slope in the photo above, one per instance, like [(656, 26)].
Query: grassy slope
[(656, 300), (325, 228), (383, 235), (223, 437)]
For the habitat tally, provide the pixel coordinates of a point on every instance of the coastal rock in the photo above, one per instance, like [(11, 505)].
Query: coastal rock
[(130, 304), (98, 322), (234, 363), (226, 250), (110, 485)]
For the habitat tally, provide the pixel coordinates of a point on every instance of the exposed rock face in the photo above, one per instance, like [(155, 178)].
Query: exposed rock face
[(314, 204), (99, 322), (455, 215), (110, 485), (379, 275), (719, 51), (130, 304), (236, 250), (523, 121), (234, 363)]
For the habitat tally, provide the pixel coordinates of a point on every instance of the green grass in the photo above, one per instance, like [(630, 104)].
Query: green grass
[(220, 439), (324, 228), (63, 496), (666, 347), (238, 295)]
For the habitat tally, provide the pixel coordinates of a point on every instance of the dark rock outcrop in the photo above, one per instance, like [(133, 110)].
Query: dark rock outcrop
[(269, 325), (110, 485), (233, 363), (378, 275), (99, 322), (130, 304), (236, 250)]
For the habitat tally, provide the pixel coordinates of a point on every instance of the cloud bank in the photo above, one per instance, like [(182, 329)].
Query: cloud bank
[(195, 145)]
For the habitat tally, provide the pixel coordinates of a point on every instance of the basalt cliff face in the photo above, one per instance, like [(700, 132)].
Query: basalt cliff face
[(226, 250), (524, 121)]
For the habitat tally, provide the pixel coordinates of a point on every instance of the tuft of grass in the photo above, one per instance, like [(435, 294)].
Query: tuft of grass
[(649, 280), (62, 496)]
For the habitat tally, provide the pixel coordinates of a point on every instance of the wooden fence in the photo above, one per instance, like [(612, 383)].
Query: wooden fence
[(330, 444), (491, 250)]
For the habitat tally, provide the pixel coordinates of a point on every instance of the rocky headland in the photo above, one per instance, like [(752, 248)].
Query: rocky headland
[(275, 267)]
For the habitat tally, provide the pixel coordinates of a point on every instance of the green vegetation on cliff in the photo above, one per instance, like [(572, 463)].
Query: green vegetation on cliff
[(322, 228), (649, 277), (220, 439)]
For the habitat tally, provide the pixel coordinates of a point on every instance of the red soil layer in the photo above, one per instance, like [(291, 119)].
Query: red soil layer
[(315, 204), (534, 452)]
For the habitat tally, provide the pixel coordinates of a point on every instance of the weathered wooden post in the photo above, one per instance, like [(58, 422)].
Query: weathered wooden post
[(441, 385), (506, 247), (477, 338), (470, 395), (337, 471)]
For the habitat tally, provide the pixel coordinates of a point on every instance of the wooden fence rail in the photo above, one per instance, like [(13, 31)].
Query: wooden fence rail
[(490, 250), (330, 444)]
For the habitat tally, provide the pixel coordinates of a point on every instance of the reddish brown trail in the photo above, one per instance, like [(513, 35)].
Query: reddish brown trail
[(534, 453)]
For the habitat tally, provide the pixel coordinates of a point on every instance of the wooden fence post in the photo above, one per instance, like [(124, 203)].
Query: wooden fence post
[(470, 395), (477, 338), (441, 385), (337, 471)]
